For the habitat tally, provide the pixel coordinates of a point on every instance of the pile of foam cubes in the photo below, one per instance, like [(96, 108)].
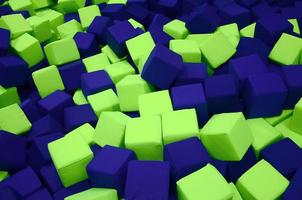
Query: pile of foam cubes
[(150, 99)]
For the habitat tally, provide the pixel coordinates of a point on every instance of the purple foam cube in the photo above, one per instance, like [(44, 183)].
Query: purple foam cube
[(25, 13), (138, 13), (31, 110), (50, 178), (5, 39), (8, 194), (162, 67), (247, 3), (5, 10), (264, 95), (109, 167), (71, 75), (158, 21), (220, 165), (87, 44), (192, 73), (170, 7), (76, 116), (95, 149), (98, 27), (249, 46), (147, 180), (261, 9), (185, 157), (293, 191), (72, 16), (114, 11), (160, 37), (95, 82), (39, 195)]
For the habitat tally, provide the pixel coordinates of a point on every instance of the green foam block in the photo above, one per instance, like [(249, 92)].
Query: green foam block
[(113, 58), (8, 96), (37, 4), (70, 6), (136, 24), (69, 29), (199, 38), (176, 29), (3, 175), (231, 31), (278, 119), (16, 24), (17, 5), (96, 62), (86, 131), (79, 98), (286, 132), (295, 23), (295, 122), (55, 18), (119, 70), (187, 49), (248, 31), (95, 194), (41, 28), (87, 15), (236, 194)]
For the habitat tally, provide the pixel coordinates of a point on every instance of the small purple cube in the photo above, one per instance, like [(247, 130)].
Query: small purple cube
[(192, 73), (71, 75), (98, 27), (87, 44), (50, 178)]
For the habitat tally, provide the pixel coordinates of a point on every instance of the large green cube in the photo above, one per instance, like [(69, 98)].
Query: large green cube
[(16, 24)]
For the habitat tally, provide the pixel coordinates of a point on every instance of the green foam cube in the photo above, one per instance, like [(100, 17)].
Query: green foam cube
[(16, 24), (279, 118), (14, 120), (262, 181), (231, 31), (96, 62), (48, 80), (69, 29), (17, 5), (110, 129), (104, 101), (295, 121), (41, 28), (199, 38), (87, 15), (286, 132), (236, 194), (70, 156), (86, 131), (55, 18), (179, 125), (139, 46), (70, 6), (38, 4), (95, 194), (144, 136), (28, 48), (155, 103), (176, 29), (9, 96), (79, 98), (119, 70), (187, 49), (295, 23), (3, 175), (136, 24), (128, 91), (287, 50), (113, 58), (227, 136), (248, 31), (56, 52), (205, 183), (217, 49)]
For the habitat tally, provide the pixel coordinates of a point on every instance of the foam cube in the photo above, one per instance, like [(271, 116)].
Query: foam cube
[(56, 52), (41, 28), (98, 27), (31, 109), (47, 80), (87, 15), (96, 62), (103, 101), (79, 98), (50, 178), (70, 155), (71, 75), (293, 83), (176, 29), (8, 193), (256, 183), (248, 46), (69, 29), (85, 131), (293, 190), (147, 146), (227, 136), (22, 5), (3, 175), (275, 120), (119, 70), (70, 6), (110, 54), (294, 124), (162, 67), (94, 193), (4, 44), (206, 183), (87, 44), (16, 24), (188, 49), (248, 31), (55, 18), (155, 103), (191, 73), (147, 178), (40, 194), (231, 32), (8, 96)]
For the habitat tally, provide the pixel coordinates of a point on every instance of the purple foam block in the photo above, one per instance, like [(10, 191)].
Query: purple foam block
[(143, 3), (71, 75), (31, 110), (98, 27), (109, 167), (170, 7), (8, 194), (132, 114), (5, 10), (114, 11), (264, 95), (97, 81), (156, 29), (162, 67), (87, 44), (261, 9), (72, 16), (285, 156), (248, 46), (12, 152), (138, 13), (147, 180), (222, 94), (78, 115), (192, 73), (160, 37), (247, 3), (294, 191), (39, 195), (221, 166), (95, 149), (14, 70), (191, 96), (185, 157), (5, 39), (50, 178), (222, 3)]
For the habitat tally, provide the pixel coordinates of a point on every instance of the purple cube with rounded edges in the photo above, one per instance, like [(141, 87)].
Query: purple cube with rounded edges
[(50, 178), (71, 75), (261, 9), (160, 37), (87, 44), (162, 67), (148, 180), (138, 13), (264, 95), (170, 7), (249, 46), (31, 110), (192, 73), (185, 157), (109, 167), (293, 191), (99, 26), (95, 82), (114, 11), (191, 96), (8, 194), (39, 195), (76, 116), (4, 42)]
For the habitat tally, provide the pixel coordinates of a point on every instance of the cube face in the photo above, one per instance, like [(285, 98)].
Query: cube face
[(96, 62), (69, 29), (294, 84), (4, 45), (294, 124), (41, 28), (87, 44), (177, 29), (188, 49), (87, 14), (95, 193), (16, 24), (119, 70), (256, 183)]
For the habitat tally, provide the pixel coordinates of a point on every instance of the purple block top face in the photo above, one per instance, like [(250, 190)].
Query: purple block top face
[(292, 76), (99, 25), (274, 23), (39, 195), (4, 42), (249, 46), (192, 73), (84, 40), (158, 22), (122, 31), (12, 61), (221, 85), (55, 99)]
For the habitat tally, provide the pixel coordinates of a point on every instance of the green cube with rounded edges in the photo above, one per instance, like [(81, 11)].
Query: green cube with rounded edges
[(3, 175), (217, 50), (87, 15), (79, 98), (70, 6), (262, 181), (129, 89), (104, 101), (112, 57), (144, 137), (187, 49), (176, 29), (14, 120), (96, 62), (248, 31), (119, 70), (141, 63), (231, 31), (227, 136), (179, 125), (286, 132), (140, 45), (236, 194), (48, 80), (205, 183), (287, 50), (95, 194), (69, 29), (55, 18), (9, 96), (278, 119), (57, 54), (41, 28), (295, 23), (16, 24), (295, 121), (20, 5), (136, 24), (199, 38), (155, 103), (86, 131), (110, 129), (28, 48), (38, 4), (70, 156), (264, 134)]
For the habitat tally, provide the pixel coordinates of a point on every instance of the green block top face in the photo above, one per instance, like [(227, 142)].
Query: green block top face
[(179, 125), (136, 24), (55, 18), (69, 29), (87, 15), (86, 131), (286, 132), (248, 31), (16, 23), (277, 119), (262, 181), (236, 194), (13, 120), (119, 70), (295, 23), (287, 50), (199, 38), (9, 96), (187, 49), (155, 103), (206, 183), (113, 58), (70, 6), (3, 175), (41, 28), (79, 98), (96, 62), (176, 29), (295, 122), (94, 194)]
